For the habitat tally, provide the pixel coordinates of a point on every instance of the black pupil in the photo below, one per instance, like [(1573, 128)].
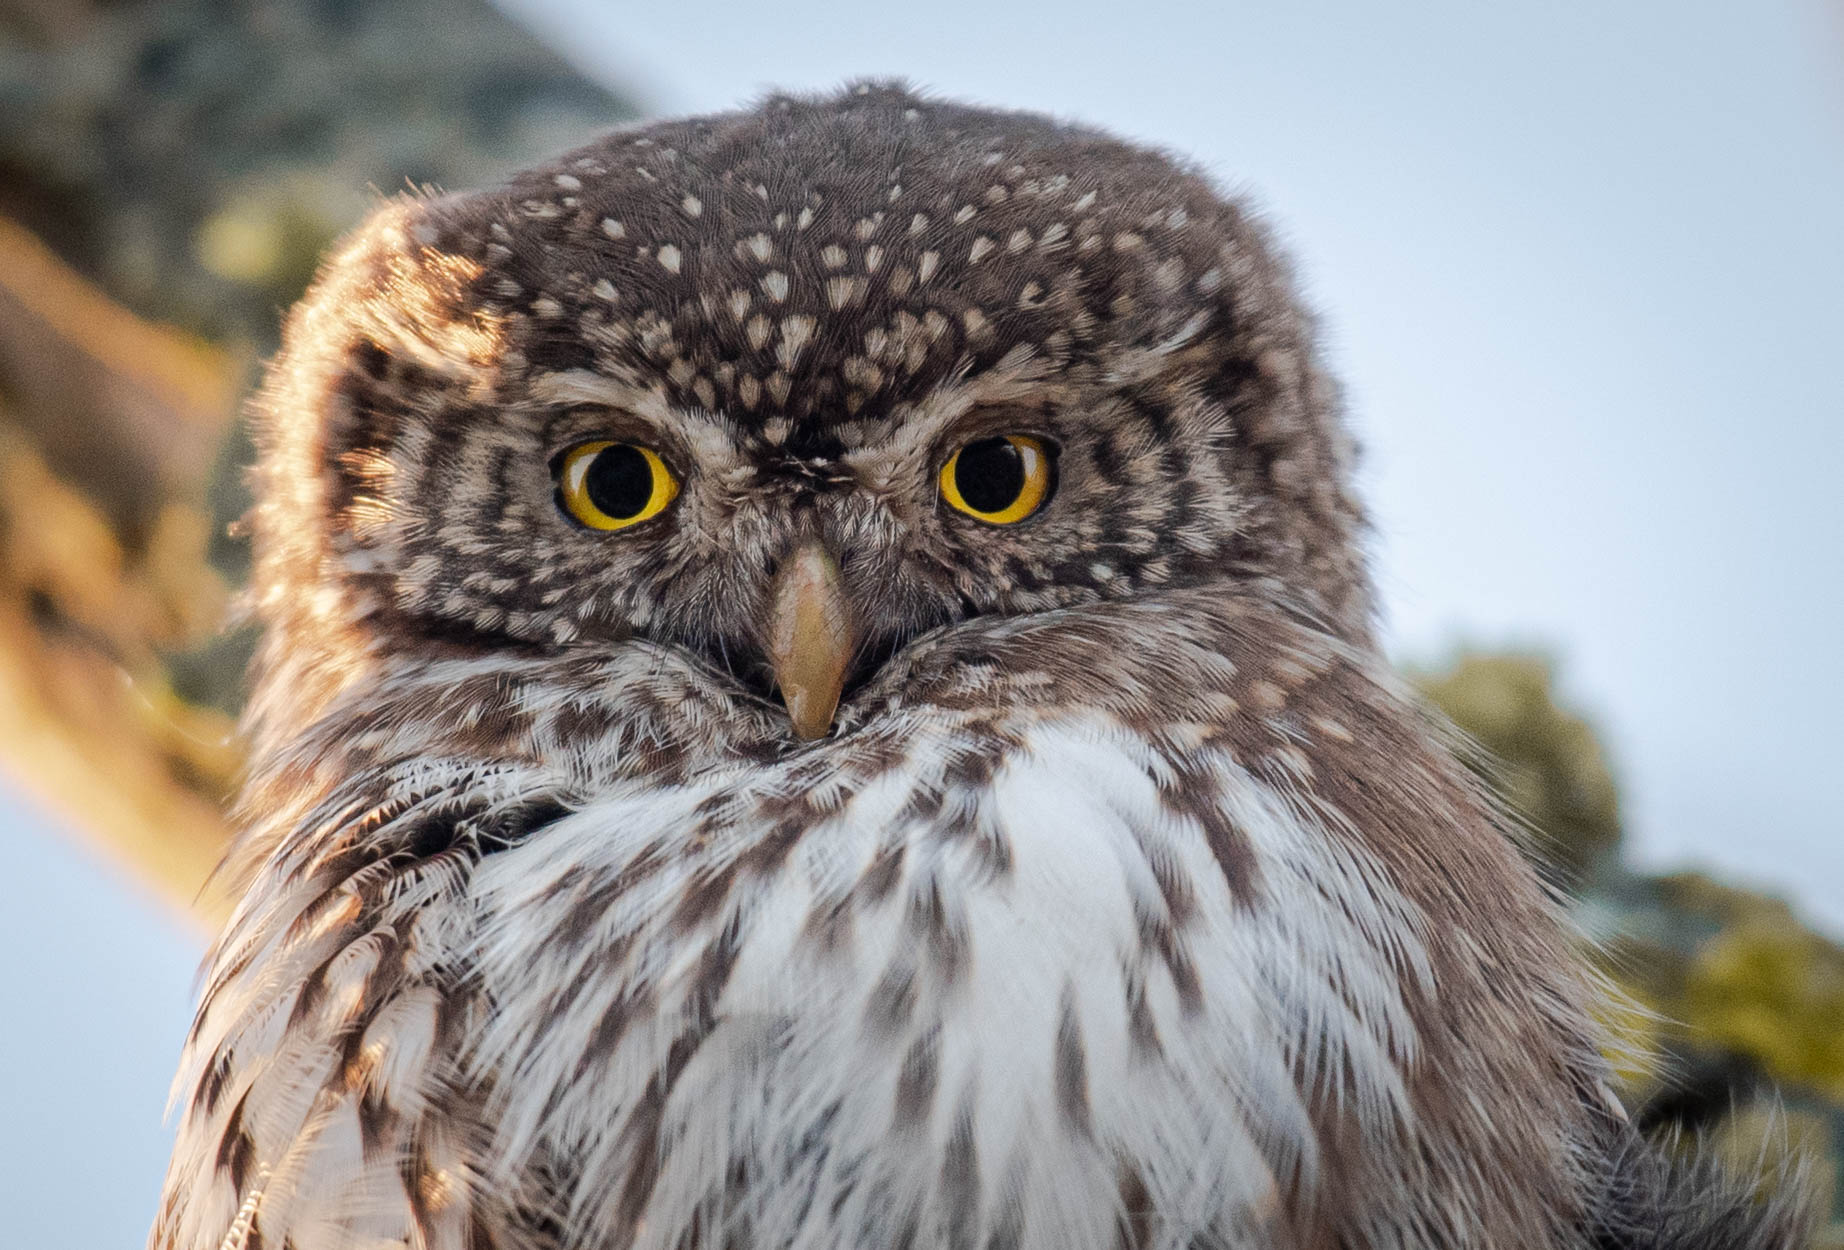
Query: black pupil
[(989, 474), (619, 481)]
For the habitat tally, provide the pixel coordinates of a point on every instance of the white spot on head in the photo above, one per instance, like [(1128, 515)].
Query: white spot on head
[(569, 182), (918, 223), (760, 246), (862, 373), (775, 285), (604, 289), (804, 220), (833, 256), (926, 269), (795, 332), (964, 214), (613, 229), (1085, 202), (739, 303), (692, 205), (758, 330), (873, 257), (981, 246), (1021, 239), (1208, 281), (841, 291), (669, 258)]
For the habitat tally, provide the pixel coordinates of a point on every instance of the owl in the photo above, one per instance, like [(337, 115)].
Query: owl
[(820, 691)]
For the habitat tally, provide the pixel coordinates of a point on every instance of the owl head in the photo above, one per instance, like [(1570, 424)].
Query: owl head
[(784, 391)]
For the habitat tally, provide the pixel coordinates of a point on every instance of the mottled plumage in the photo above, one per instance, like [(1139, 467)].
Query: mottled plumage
[(1130, 900)]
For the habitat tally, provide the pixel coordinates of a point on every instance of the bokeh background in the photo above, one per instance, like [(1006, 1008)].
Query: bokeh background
[(1581, 266)]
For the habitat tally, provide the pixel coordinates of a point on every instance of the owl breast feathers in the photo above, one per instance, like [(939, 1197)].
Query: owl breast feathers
[(819, 691)]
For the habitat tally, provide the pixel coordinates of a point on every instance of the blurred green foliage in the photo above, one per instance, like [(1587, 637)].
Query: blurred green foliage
[(195, 157), (1729, 1010), (1541, 758)]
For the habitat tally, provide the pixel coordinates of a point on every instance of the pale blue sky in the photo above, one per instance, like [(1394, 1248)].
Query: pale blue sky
[(1582, 267)]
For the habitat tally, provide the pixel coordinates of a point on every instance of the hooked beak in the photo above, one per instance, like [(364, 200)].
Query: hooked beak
[(811, 637)]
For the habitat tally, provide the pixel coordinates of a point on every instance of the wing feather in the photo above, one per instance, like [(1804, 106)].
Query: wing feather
[(323, 1104)]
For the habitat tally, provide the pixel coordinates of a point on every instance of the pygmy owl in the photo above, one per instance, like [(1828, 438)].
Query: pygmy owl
[(819, 691)]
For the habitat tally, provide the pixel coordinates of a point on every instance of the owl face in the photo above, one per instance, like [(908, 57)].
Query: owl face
[(859, 373)]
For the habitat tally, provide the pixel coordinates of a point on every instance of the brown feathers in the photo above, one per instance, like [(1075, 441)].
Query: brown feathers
[(1128, 903)]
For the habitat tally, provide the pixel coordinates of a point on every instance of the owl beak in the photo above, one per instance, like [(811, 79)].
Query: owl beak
[(811, 637)]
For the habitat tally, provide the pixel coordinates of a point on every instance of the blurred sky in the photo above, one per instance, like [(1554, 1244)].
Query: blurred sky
[(1582, 268), (96, 982)]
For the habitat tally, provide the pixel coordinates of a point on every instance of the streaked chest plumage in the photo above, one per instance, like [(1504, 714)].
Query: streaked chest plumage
[(945, 1004)]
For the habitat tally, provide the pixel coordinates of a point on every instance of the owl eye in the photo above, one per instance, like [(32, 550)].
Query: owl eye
[(999, 480), (610, 486)]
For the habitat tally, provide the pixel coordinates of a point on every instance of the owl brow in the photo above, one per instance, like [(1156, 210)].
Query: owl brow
[(581, 386), (648, 404)]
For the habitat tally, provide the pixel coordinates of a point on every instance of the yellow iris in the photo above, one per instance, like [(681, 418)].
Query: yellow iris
[(998, 480), (609, 486)]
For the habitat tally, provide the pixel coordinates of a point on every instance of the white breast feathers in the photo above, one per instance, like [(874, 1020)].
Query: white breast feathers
[(1021, 1001)]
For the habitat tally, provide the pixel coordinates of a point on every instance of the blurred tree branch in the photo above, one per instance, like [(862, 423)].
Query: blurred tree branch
[(170, 172), (108, 429)]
